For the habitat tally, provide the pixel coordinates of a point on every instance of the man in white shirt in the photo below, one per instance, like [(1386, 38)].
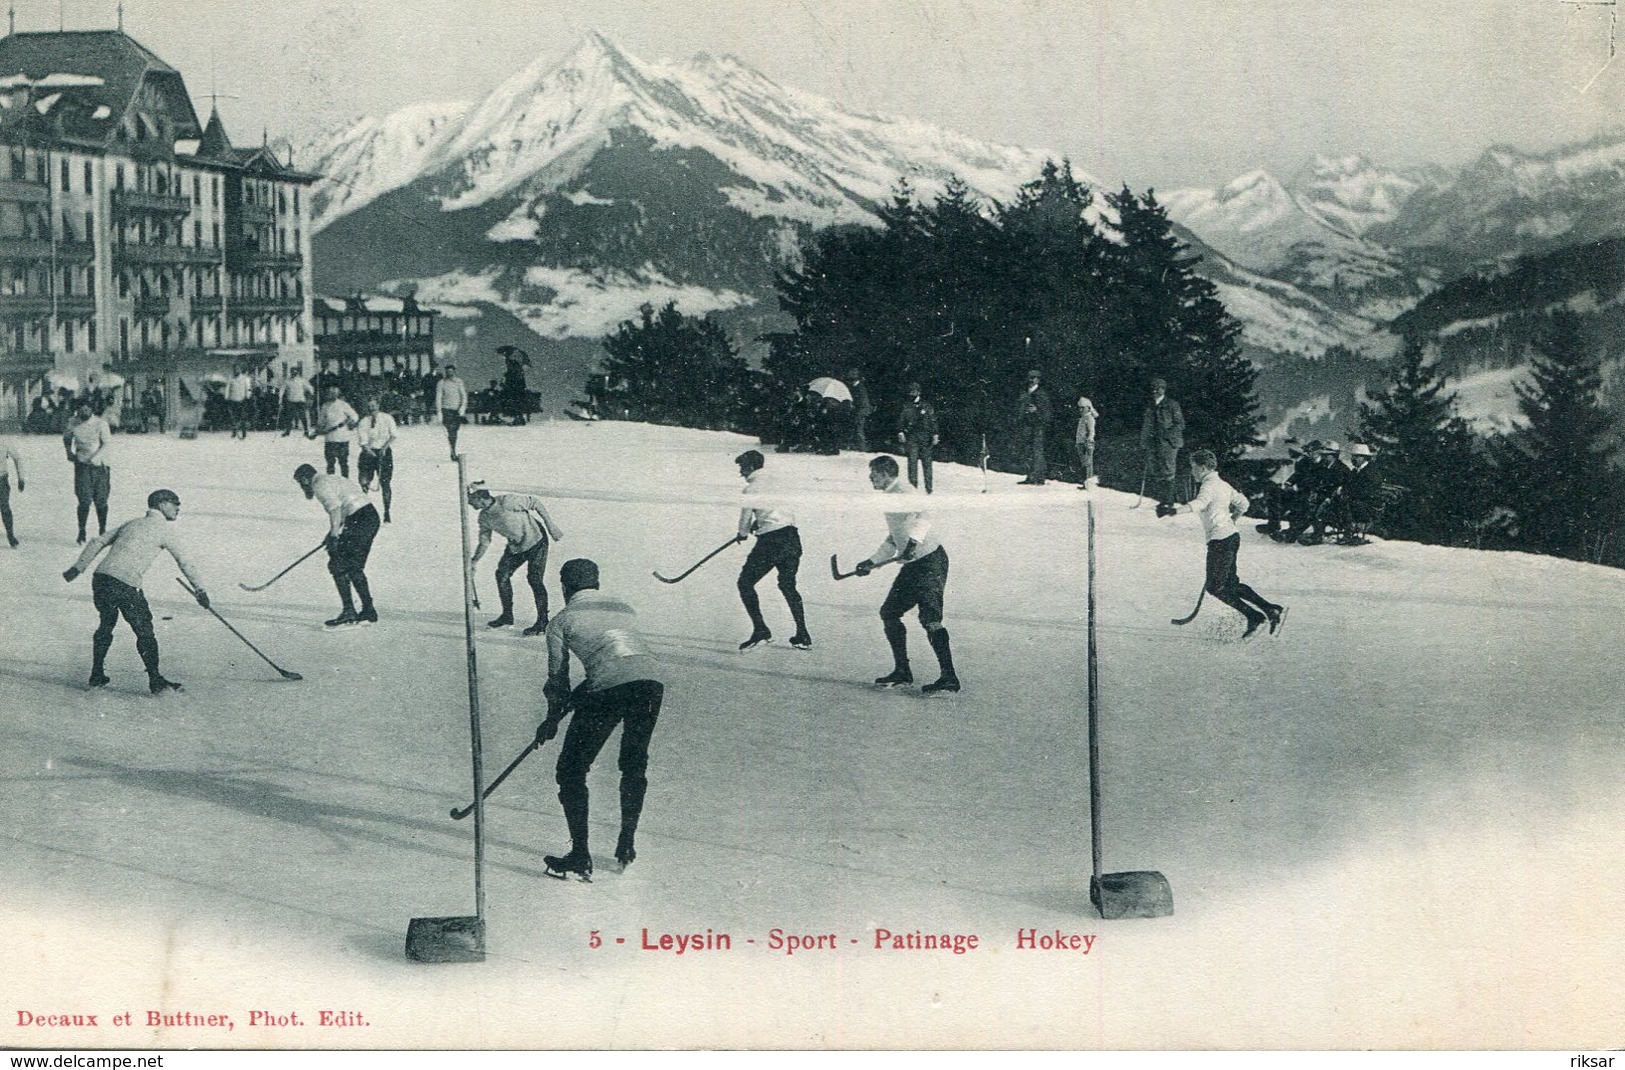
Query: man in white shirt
[(778, 546), (296, 395), (335, 423), (240, 397), (8, 452), (352, 525), (920, 583), (451, 398), (1220, 505), (116, 584), (88, 441), (376, 437), (522, 520)]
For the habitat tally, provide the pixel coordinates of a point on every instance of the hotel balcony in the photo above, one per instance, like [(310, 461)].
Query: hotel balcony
[(156, 254), (152, 305), (19, 191), (130, 201), (256, 213), (44, 249), (265, 306)]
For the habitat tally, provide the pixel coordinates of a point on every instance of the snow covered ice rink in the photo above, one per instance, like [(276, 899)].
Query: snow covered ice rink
[(1394, 825)]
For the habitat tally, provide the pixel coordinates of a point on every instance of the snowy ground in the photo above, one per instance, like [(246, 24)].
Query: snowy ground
[(1395, 825)]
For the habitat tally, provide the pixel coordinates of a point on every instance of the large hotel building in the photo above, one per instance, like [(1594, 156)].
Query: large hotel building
[(133, 238)]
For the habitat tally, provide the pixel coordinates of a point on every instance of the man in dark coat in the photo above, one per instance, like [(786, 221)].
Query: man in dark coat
[(861, 408), (1032, 417), (1162, 436), (917, 431)]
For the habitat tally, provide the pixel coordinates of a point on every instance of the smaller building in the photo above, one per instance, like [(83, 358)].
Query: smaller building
[(374, 345)]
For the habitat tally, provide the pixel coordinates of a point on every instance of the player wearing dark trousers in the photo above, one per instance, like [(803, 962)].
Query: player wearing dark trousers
[(920, 584), (622, 687), (116, 585), (451, 398), (9, 454), (352, 525), (1220, 505), (91, 485), (522, 520), (379, 465), (1032, 418), (778, 546), (87, 441)]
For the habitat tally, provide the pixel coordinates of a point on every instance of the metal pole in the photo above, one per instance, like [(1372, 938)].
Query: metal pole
[(473, 694), (1094, 706)]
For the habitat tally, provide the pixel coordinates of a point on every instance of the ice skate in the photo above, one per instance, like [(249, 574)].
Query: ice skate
[(158, 685), (757, 638), (343, 620), (895, 678), (801, 641), (577, 864), (500, 622), (948, 684)]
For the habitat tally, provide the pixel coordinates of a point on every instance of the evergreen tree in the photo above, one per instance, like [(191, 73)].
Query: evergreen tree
[(1168, 321), (1557, 470), (668, 368), (1425, 447)]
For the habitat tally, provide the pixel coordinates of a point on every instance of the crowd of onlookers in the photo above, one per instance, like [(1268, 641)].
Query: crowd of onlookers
[(248, 400), (1326, 490)]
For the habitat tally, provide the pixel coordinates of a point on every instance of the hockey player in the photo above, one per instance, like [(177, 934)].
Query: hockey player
[(116, 584), (778, 546), (353, 523), (88, 441), (451, 398), (622, 686), (920, 582), (295, 396), (8, 452), (522, 521), (376, 437), (1220, 505), (335, 424)]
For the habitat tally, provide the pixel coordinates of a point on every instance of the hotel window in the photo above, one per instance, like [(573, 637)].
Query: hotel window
[(90, 176), (67, 184)]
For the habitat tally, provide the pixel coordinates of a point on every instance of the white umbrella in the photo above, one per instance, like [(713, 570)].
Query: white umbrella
[(62, 381), (824, 386), (217, 377), (111, 380)]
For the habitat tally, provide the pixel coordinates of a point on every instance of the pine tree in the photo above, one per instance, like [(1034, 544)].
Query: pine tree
[(668, 368), (1557, 470), (1168, 321), (1425, 447)]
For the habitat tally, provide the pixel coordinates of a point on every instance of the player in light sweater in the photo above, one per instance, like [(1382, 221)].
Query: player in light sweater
[(116, 584), (8, 452), (778, 546), (920, 583), (352, 525), (522, 520), (1219, 505), (376, 436), (451, 398)]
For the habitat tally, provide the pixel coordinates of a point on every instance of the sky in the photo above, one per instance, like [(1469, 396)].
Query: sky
[(1152, 92)]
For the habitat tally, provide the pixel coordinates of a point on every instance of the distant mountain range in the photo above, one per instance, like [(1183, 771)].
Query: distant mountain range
[(547, 212)]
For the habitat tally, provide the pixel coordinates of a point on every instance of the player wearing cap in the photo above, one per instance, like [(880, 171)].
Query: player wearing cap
[(778, 546), (1220, 505), (622, 687), (116, 584), (352, 525), (522, 521)]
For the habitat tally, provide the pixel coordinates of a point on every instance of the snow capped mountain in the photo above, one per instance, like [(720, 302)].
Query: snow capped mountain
[(1354, 194), (367, 157), (794, 155), (1509, 203), (1310, 282)]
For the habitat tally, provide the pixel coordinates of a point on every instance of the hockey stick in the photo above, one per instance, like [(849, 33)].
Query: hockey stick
[(462, 812), (1145, 472), (286, 673), (284, 572), (684, 575), (835, 568), (984, 468), (1187, 620)]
